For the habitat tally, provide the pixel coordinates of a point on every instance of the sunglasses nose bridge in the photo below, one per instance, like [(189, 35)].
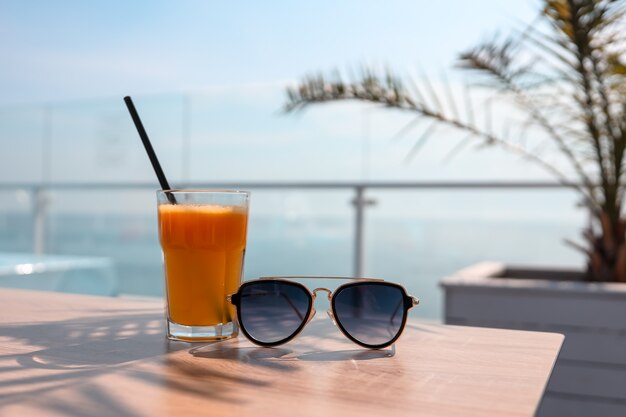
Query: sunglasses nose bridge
[(328, 292), (313, 311)]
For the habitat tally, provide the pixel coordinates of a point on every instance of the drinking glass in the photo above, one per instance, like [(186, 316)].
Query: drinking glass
[(203, 237)]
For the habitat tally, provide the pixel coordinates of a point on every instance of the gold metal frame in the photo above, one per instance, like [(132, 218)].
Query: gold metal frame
[(313, 293)]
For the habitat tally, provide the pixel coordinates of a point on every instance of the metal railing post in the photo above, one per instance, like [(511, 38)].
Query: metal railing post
[(39, 220), (359, 202)]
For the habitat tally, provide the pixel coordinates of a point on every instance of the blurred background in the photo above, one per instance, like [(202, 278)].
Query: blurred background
[(77, 192)]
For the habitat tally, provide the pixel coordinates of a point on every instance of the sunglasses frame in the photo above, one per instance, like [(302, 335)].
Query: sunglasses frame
[(408, 303)]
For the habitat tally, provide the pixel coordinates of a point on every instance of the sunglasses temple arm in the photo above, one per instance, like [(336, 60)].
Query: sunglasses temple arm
[(393, 316), (415, 302), (293, 306)]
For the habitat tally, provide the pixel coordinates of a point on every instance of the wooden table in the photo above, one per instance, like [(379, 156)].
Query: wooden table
[(72, 355)]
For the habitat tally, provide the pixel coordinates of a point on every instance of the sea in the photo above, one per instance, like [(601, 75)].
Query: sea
[(413, 246)]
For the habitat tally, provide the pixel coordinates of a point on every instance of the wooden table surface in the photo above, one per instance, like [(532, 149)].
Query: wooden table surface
[(72, 355)]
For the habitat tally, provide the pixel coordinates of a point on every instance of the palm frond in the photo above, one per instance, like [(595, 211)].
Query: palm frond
[(566, 72)]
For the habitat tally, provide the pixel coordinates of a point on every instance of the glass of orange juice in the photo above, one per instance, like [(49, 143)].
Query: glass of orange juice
[(203, 237)]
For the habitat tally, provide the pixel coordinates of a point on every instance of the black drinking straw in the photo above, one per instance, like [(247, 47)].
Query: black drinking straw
[(149, 149)]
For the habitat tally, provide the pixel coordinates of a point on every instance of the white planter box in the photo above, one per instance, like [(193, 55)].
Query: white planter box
[(589, 378)]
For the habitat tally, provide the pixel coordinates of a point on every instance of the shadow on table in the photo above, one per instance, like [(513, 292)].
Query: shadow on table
[(74, 353), (71, 351), (91, 342), (300, 349)]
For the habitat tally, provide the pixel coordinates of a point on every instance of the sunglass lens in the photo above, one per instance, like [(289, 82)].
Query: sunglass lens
[(371, 313), (272, 311)]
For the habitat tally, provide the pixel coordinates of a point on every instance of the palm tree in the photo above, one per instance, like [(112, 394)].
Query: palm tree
[(567, 75)]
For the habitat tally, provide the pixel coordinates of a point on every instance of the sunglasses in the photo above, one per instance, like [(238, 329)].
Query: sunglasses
[(369, 311)]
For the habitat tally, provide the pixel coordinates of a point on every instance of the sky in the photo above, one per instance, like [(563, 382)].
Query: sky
[(215, 73)]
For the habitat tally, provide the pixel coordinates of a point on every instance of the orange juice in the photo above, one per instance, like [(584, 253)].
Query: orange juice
[(203, 249)]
